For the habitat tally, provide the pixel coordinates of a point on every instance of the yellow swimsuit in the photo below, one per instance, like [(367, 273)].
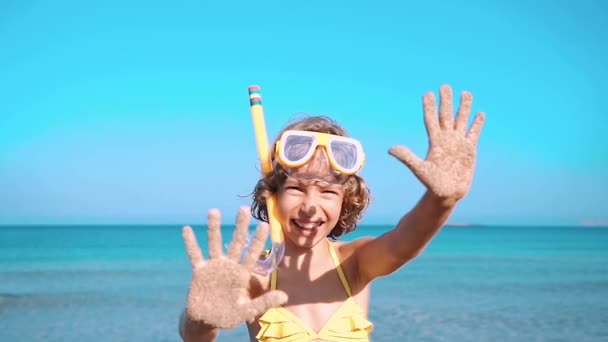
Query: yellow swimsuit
[(347, 324)]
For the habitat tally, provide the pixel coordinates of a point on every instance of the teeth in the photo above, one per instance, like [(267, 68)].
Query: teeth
[(308, 225)]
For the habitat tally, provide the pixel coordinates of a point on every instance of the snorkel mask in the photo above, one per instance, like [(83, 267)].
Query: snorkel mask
[(316, 156), (304, 155)]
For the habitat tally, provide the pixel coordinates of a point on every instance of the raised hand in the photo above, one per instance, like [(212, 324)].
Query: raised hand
[(448, 168), (219, 294)]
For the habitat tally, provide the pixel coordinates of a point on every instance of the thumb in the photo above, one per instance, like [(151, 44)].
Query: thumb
[(407, 157), (262, 303)]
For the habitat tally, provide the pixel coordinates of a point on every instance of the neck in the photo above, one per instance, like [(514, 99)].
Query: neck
[(298, 256)]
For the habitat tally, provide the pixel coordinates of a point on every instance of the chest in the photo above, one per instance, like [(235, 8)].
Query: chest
[(316, 312), (315, 299)]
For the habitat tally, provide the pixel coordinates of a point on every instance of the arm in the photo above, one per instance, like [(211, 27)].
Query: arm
[(385, 254), (193, 331), (447, 174)]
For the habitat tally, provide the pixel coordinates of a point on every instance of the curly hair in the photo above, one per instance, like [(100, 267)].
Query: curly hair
[(356, 192)]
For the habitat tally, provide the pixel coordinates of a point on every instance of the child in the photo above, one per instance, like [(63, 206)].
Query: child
[(320, 290)]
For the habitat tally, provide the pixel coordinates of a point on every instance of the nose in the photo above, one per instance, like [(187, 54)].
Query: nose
[(309, 204), (319, 160)]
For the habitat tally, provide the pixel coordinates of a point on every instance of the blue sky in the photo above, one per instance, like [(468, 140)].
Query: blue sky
[(138, 112)]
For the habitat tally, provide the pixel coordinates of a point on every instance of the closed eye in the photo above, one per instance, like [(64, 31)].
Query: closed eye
[(333, 190)]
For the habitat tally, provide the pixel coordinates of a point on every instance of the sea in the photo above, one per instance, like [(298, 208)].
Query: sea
[(471, 283)]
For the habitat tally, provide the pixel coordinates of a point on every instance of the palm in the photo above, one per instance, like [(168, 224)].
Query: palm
[(218, 292), (448, 168)]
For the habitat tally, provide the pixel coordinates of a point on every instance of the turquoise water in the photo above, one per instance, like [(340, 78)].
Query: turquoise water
[(128, 283)]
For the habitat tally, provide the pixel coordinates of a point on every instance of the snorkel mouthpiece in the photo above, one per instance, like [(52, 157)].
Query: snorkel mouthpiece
[(267, 264)]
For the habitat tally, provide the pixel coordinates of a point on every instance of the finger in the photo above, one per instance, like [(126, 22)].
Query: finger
[(430, 114), (462, 118), (214, 233), (407, 157), (261, 304), (446, 108), (192, 248), (240, 234), (476, 127), (257, 245)]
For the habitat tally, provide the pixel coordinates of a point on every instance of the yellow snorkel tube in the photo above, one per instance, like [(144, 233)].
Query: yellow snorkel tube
[(270, 262)]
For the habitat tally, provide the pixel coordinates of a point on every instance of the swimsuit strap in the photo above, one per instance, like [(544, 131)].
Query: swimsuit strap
[(334, 256), (273, 280)]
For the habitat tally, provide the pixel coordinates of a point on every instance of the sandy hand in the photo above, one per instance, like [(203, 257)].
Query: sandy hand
[(448, 168), (218, 293)]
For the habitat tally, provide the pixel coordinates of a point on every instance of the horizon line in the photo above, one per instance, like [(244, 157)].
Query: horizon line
[(451, 225)]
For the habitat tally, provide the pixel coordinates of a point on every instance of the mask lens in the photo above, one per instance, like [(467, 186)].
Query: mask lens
[(344, 153), (297, 147)]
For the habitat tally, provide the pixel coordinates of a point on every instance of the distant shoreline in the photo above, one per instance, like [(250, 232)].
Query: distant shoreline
[(173, 225)]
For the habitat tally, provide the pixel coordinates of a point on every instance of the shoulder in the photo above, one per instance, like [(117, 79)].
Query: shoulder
[(347, 253), (348, 249)]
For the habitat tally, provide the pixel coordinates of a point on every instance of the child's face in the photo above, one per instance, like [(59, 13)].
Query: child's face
[(309, 209)]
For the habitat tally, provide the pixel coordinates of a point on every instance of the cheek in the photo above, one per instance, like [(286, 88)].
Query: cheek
[(334, 206), (286, 203)]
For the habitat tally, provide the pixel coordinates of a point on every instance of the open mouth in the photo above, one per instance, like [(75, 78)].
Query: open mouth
[(307, 225)]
